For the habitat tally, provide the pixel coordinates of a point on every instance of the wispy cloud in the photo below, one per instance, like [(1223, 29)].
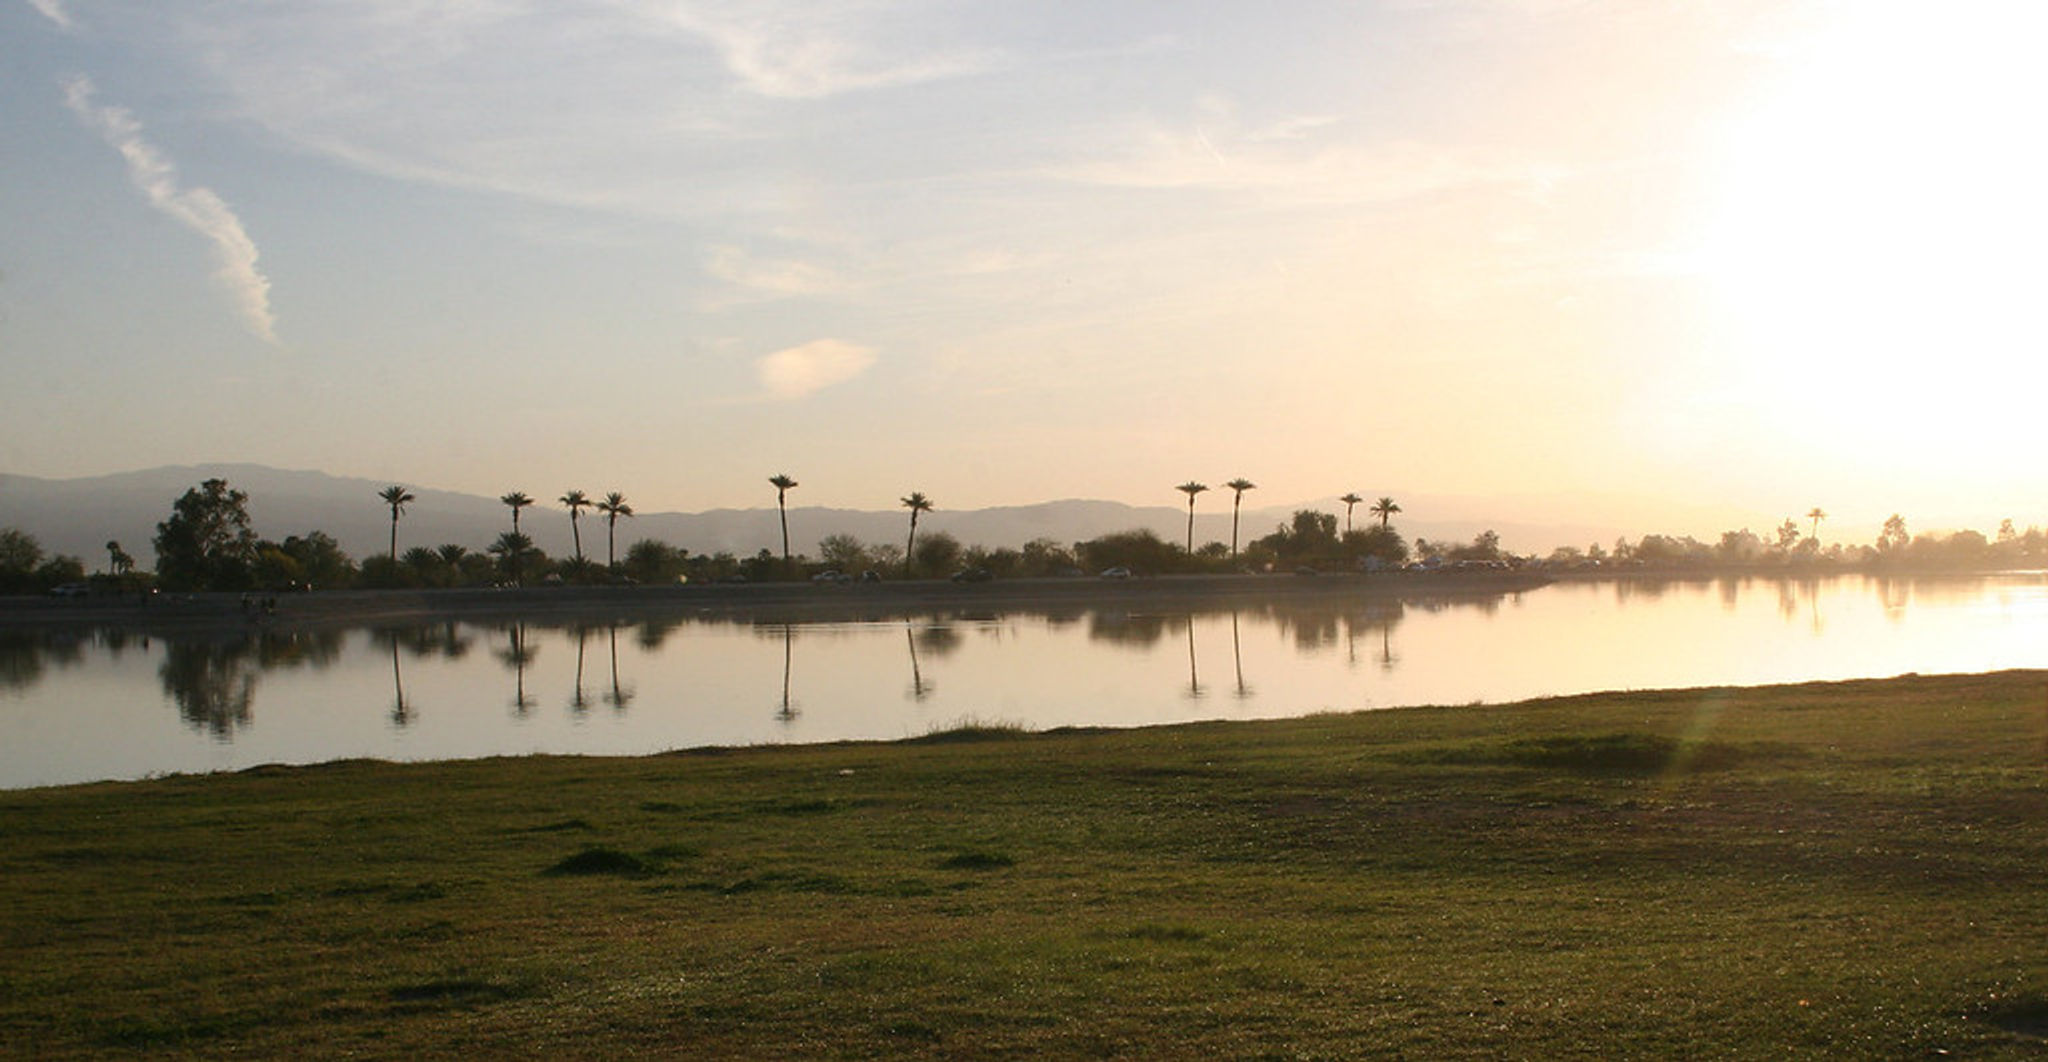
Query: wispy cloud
[(55, 11), (813, 50), (814, 366), (198, 209), (769, 278)]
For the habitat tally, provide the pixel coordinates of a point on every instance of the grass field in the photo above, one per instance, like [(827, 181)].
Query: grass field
[(1849, 870)]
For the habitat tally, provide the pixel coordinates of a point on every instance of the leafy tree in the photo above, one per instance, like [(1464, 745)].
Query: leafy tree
[(1382, 545), (939, 553), (577, 501), (397, 498), (20, 556), (653, 561), (517, 500), (1191, 488), (1788, 535), (613, 506), (1139, 550), (916, 503), (1044, 556), (118, 560), (843, 552), (1739, 547), (320, 560), (782, 484), (1238, 486), (1349, 500), (1893, 539), (1384, 509), (206, 544)]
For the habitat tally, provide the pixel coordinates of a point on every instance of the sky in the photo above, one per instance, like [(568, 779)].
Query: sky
[(1775, 254)]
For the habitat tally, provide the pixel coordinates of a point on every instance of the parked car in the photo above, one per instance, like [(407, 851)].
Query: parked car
[(1118, 572), (831, 575), (973, 575), (70, 590)]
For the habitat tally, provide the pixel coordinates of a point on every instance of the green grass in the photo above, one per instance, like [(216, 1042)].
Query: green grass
[(1838, 869)]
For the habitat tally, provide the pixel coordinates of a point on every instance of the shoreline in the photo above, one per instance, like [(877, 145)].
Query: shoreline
[(759, 602)]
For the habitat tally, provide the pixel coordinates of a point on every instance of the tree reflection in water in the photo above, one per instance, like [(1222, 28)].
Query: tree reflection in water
[(1237, 658), (213, 680), (789, 711), (919, 688), (213, 683), (619, 696), (579, 702), (518, 653), (1194, 680)]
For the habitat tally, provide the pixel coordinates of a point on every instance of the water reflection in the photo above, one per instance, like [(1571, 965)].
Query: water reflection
[(620, 695), (517, 654), (788, 711), (212, 681), (919, 688), (670, 680), (1237, 657)]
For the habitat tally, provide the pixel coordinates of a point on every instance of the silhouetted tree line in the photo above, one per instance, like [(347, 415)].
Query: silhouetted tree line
[(207, 543)]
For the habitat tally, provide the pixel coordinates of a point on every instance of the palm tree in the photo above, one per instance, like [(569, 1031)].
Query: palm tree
[(613, 506), (1191, 488), (517, 500), (396, 497), (1816, 514), (1385, 510), (577, 501), (1240, 485), (1349, 500), (916, 503), (511, 549), (782, 484)]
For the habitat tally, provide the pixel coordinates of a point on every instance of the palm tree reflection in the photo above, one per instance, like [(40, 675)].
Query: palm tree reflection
[(1237, 658), (516, 655), (919, 689), (579, 702), (788, 712), (401, 712), (618, 696), (1194, 680)]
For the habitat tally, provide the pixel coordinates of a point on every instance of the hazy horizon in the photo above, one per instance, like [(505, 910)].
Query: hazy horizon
[(1763, 255)]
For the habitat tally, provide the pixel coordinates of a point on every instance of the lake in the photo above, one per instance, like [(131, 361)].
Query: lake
[(85, 706)]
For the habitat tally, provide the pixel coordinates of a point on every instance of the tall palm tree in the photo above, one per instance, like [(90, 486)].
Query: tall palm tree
[(916, 503), (782, 484), (1191, 488), (1349, 500), (517, 500), (1240, 485), (1816, 514), (577, 501), (613, 506), (396, 497), (1385, 510)]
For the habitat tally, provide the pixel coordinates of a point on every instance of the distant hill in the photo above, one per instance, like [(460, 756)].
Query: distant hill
[(78, 516)]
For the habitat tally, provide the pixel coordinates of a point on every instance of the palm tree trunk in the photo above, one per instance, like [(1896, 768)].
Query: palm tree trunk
[(909, 542), (784, 511)]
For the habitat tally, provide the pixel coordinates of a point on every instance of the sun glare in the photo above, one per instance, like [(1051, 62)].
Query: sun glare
[(1879, 230)]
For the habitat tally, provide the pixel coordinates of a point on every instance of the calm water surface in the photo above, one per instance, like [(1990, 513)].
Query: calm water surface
[(107, 706)]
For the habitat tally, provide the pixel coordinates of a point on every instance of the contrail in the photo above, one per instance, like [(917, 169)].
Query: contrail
[(197, 209)]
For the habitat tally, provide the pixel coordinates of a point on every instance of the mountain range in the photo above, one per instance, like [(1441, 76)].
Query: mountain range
[(79, 516)]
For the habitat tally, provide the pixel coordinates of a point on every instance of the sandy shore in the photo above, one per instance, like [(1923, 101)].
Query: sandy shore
[(759, 601)]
